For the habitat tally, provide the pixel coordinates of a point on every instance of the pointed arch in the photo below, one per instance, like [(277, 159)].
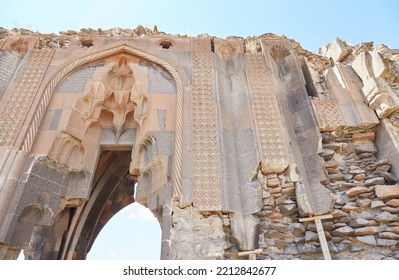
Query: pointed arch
[(71, 67)]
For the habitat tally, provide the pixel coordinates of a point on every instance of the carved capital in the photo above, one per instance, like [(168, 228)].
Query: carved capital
[(68, 151)]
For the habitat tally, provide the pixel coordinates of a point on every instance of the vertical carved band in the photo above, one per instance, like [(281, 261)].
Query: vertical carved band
[(8, 65), (267, 115), (21, 97), (206, 157)]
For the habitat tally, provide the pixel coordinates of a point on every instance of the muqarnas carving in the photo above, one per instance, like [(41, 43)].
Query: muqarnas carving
[(68, 151), (116, 97), (153, 169), (115, 101)]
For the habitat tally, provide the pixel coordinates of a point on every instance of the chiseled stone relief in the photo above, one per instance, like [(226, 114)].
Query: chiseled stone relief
[(242, 148), (206, 155)]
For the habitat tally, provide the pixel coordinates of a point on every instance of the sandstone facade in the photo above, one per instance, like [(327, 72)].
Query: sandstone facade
[(238, 146)]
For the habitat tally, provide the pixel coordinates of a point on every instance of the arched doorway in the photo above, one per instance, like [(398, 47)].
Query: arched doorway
[(115, 143), (133, 233)]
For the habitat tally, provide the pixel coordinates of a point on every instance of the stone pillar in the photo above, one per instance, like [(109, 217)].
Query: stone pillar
[(301, 127), (11, 171), (206, 169), (166, 232), (241, 193)]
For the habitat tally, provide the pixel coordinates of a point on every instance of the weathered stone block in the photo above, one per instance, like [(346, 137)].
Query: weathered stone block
[(366, 231), (368, 239), (311, 236), (333, 146), (327, 154), (356, 171), (288, 191), (393, 202), (376, 204), (336, 177), (349, 208), (275, 190), (363, 202), (274, 182), (359, 222), (386, 191), (386, 217), (392, 210), (388, 235), (291, 250), (363, 137), (307, 248), (383, 168), (343, 231), (339, 214), (389, 177), (356, 191), (275, 216), (394, 229), (380, 67), (337, 50), (367, 147), (297, 229), (359, 177), (386, 242), (288, 210), (331, 164)]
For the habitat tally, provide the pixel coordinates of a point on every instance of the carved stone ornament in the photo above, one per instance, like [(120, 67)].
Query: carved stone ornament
[(227, 50), (279, 52), (39, 212), (153, 169), (68, 151), (111, 100)]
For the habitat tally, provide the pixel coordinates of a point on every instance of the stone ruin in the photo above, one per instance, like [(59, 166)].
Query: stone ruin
[(242, 148)]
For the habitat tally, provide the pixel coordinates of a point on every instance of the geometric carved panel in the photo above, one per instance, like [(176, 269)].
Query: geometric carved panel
[(328, 114), (206, 155), (18, 103), (8, 65), (267, 115)]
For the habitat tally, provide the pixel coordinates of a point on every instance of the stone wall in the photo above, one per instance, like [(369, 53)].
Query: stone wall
[(231, 143), (197, 236), (365, 221)]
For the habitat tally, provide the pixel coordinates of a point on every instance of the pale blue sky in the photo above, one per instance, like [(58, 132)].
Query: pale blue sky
[(312, 23), (133, 233)]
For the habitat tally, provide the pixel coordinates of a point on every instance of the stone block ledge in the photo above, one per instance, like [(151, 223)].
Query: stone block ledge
[(387, 191)]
